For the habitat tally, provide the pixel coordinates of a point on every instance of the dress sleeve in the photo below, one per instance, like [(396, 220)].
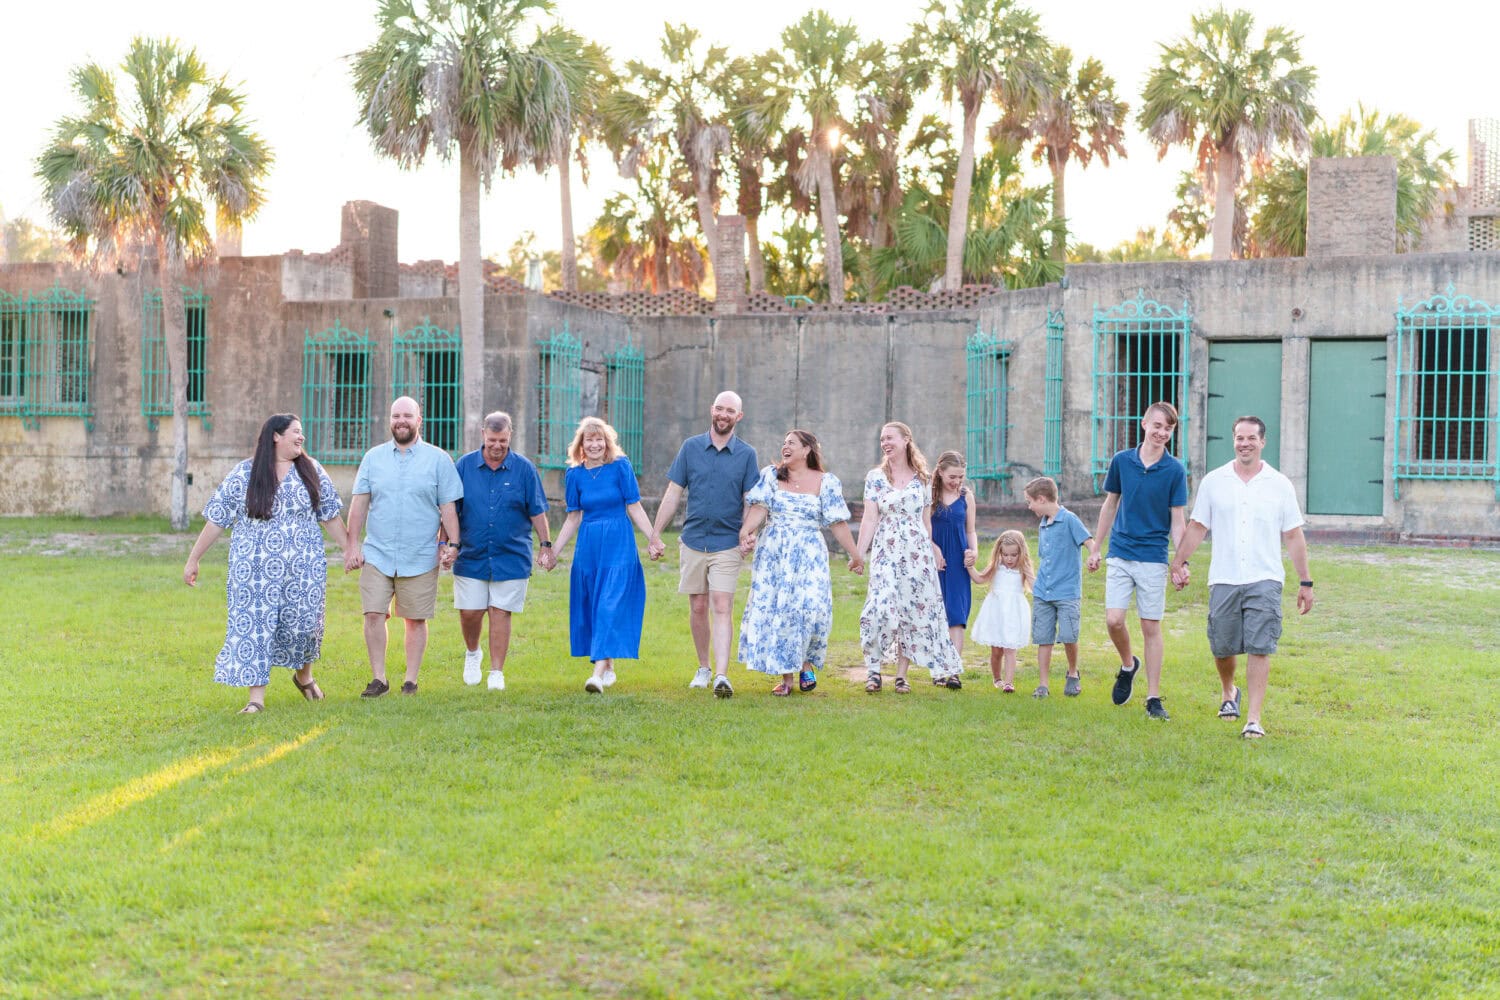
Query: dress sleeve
[(573, 488), (831, 501), (227, 506), (630, 490), (329, 503), (873, 481), (764, 488)]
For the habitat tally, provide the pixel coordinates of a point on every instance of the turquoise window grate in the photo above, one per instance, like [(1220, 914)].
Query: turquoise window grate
[(336, 394), (987, 413), (1140, 358), (44, 355), (427, 365), (156, 382), (559, 392)]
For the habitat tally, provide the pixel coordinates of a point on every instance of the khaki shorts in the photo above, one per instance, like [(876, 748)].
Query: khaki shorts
[(1146, 580), (416, 596), (702, 572)]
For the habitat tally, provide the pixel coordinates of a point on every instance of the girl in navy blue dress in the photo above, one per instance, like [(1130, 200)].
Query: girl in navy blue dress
[(606, 588), (958, 545)]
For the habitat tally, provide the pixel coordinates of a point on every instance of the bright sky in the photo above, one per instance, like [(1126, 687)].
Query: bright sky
[(290, 58)]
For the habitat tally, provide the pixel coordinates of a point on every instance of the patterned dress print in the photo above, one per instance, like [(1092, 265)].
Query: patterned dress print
[(903, 612), (950, 530), (278, 576), (606, 586), (1005, 616), (790, 611)]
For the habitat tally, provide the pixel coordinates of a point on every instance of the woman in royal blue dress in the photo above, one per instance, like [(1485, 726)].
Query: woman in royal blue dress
[(957, 542), (606, 587)]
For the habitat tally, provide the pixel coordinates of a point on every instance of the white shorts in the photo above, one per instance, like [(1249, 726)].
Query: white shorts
[(470, 594)]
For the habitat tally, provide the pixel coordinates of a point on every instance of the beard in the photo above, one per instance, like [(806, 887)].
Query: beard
[(722, 425), (404, 435)]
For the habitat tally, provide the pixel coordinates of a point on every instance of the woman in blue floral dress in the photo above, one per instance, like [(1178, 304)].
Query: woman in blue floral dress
[(903, 618), (790, 612), (278, 574)]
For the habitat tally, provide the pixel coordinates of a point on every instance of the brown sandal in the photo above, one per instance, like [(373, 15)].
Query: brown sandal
[(252, 708), (310, 690), (782, 690)]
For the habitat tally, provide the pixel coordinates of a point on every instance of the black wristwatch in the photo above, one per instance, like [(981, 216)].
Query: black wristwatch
[(1305, 583), (546, 543), (452, 545)]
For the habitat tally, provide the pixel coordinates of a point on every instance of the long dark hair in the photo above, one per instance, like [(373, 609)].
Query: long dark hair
[(261, 496), (814, 453)]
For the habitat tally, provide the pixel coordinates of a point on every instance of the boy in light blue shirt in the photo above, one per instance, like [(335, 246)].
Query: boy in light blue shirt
[(1057, 594)]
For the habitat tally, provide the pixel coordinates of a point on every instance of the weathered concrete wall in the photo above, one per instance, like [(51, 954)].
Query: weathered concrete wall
[(840, 375), (370, 232), (1351, 206), (316, 277)]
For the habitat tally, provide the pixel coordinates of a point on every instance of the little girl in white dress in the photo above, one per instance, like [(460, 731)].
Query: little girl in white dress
[(1004, 621)]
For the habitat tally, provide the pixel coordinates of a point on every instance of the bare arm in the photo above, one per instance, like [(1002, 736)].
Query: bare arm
[(670, 497), (1101, 531), (755, 516), (206, 538), (867, 521), (359, 508), (971, 536), (845, 538), (548, 557), (568, 530), (1192, 536), (937, 553), (448, 521), (1296, 547), (335, 528), (637, 515)]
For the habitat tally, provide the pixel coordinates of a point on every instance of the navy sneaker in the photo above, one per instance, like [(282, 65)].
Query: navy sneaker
[(1124, 681), (1155, 711)]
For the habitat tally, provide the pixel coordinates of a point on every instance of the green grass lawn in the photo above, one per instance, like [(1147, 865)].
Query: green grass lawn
[(656, 842)]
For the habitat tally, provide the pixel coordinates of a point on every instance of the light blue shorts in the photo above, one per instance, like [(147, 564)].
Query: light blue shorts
[(1146, 580)]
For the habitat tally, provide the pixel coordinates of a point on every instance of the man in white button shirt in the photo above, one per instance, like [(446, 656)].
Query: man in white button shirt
[(1251, 510)]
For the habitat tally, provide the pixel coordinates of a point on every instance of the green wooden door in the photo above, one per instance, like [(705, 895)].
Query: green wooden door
[(1346, 427), (1244, 377)]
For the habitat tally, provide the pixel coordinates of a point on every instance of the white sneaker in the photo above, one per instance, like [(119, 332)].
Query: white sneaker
[(701, 678), (594, 685), (607, 678), (722, 687), (473, 664), (497, 680)]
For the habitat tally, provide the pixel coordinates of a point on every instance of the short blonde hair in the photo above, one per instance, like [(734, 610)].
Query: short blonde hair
[(593, 425)]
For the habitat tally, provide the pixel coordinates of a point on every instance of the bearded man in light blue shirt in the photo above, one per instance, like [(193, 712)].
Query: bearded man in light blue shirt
[(404, 491)]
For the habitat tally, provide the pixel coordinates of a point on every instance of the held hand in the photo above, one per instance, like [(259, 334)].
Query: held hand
[(190, 573), (1181, 575), (942, 563), (447, 557), (747, 542), (1304, 600), (656, 548), (1093, 560), (548, 559), (969, 557), (856, 564), (353, 557)]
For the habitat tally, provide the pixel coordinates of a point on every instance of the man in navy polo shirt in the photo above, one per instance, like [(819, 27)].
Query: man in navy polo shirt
[(716, 469), (503, 503), (1145, 501)]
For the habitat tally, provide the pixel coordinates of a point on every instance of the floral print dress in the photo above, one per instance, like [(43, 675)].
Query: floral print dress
[(278, 576), (790, 611), (903, 614)]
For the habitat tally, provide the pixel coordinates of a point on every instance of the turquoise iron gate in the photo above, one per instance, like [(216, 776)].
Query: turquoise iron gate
[(1140, 358)]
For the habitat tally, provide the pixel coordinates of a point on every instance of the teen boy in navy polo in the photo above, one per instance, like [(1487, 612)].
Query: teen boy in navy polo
[(1145, 501), (716, 470), (1057, 594), (503, 503)]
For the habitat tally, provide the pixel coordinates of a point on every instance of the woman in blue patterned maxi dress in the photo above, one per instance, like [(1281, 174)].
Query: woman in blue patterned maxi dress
[(606, 586), (790, 611), (272, 504)]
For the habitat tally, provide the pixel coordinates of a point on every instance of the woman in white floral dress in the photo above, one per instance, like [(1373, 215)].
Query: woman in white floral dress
[(790, 612), (903, 620)]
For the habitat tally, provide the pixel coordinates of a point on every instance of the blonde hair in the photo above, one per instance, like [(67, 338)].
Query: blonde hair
[(947, 460), (593, 425), (1023, 565), (914, 456)]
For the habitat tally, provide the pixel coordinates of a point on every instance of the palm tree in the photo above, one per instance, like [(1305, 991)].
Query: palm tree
[(757, 112), (594, 79), (141, 166), (981, 48), (1279, 195), (686, 94), (1236, 101), (456, 74), (1072, 117), (820, 64), (643, 235)]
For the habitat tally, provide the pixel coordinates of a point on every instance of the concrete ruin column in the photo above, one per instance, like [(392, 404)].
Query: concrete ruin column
[(369, 231), (729, 266), (1351, 206)]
